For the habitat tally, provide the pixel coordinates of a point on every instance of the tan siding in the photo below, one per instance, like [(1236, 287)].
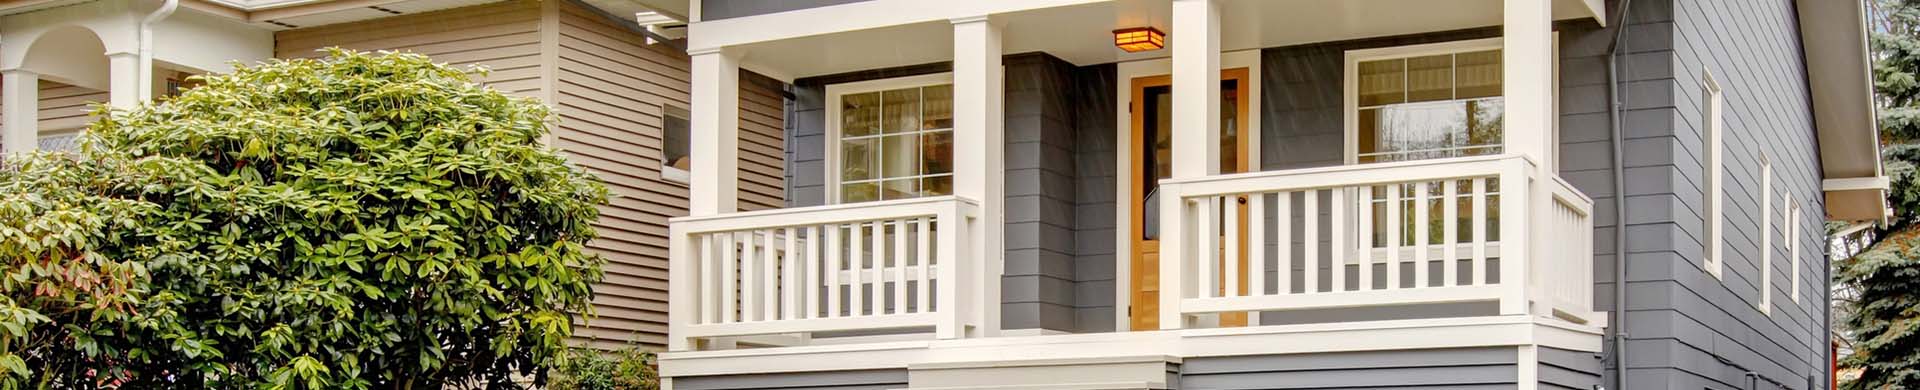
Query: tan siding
[(503, 37), (64, 108), (608, 88), (610, 91)]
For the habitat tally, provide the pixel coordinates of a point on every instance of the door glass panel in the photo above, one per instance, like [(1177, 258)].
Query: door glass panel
[(1157, 109)]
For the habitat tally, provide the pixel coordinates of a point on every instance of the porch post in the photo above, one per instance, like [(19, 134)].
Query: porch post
[(979, 143), (716, 133), (21, 104), (1196, 143), (1528, 79), (123, 75)]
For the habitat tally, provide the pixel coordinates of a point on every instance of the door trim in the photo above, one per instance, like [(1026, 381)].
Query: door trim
[(1125, 72)]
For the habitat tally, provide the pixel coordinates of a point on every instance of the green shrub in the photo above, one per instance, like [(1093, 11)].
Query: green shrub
[(359, 221), (583, 368)]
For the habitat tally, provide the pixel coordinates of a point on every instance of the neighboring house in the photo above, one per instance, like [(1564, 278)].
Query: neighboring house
[(621, 99), (1290, 194)]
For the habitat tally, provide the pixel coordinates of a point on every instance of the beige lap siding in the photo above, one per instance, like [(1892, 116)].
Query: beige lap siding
[(608, 88), (64, 108)]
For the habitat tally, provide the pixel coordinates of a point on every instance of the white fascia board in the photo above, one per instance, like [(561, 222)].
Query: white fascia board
[(708, 35), (1856, 183)]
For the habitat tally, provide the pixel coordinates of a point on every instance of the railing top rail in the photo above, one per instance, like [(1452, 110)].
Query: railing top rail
[(1345, 175), (1563, 189), (848, 212)]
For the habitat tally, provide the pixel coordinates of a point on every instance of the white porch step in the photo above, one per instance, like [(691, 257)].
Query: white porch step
[(1118, 372)]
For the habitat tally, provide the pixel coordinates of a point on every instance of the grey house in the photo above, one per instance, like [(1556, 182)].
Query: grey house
[(1300, 194)]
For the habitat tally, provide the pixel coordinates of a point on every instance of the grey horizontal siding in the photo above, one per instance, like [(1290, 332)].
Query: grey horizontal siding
[(821, 380), (1463, 368), (1571, 370)]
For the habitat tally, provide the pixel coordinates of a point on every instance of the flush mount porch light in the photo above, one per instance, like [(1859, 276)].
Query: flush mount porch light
[(1139, 39)]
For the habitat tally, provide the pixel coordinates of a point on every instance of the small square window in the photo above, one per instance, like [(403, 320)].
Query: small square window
[(675, 136)]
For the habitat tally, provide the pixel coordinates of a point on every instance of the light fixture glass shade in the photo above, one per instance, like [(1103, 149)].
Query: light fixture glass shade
[(1139, 39)]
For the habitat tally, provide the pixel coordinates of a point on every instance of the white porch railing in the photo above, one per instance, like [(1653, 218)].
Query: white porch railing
[(1387, 234), (867, 266)]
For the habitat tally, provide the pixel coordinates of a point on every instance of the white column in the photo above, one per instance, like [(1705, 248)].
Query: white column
[(21, 104), (979, 143), (1528, 79), (123, 80), (1196, 142), (716, 133)]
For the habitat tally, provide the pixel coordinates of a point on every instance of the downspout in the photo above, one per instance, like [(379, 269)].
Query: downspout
[(1616, 102), (143, 77)]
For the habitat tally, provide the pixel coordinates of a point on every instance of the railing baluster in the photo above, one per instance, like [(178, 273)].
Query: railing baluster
[(770, 277), (900, 266), (1422, 234), (1310, 214), (750, 273), (856, 264), (1479, 231), (926, 278), (1231, 259), (1394, 224), (790, 275), (709, 257), (729, 276), (835, 257), (1283, 267), (1210, 247), (1450, 236), (1365, 241), (1257, 245), (1338, 251), (811, 293), (877, 290)]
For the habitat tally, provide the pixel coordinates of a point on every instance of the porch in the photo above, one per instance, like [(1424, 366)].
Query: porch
[(1478, 233)]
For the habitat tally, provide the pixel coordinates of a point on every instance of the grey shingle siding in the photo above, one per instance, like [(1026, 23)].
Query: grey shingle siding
[(1464, 368)]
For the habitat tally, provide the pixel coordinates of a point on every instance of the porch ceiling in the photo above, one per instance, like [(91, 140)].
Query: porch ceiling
[(1081, 34)]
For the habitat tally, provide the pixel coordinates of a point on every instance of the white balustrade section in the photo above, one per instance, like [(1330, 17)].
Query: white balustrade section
[(881, 265), (1400, 233)]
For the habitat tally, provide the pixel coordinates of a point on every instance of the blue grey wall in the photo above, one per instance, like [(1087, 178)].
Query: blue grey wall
[(723, 9)]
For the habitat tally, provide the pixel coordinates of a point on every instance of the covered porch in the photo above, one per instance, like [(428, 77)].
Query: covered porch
[(1479, 229)]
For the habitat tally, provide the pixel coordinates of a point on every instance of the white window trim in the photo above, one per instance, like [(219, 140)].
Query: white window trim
[(1793, 243), (1766, 235), (668, 172), (834, 91), (1350, 92), (1712, 137)]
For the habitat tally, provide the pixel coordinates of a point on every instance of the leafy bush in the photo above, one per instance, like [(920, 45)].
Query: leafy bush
[(582, 368), (359, 221)]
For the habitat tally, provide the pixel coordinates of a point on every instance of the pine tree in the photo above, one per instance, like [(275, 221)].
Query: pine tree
[(1883, 315)]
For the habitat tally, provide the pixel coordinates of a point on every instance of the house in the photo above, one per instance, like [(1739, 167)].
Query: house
[(619, 89), (1206, 194)]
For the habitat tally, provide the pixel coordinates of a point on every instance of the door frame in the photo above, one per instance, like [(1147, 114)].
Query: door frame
[(1125, 72)]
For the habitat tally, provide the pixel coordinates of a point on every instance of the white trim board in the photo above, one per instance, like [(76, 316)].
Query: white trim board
[(1125, 72)]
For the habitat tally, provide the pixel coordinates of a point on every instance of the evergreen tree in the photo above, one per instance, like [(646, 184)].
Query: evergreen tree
[(1883, 316)]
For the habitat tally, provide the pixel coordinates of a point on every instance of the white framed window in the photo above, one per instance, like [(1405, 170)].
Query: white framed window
[(676, 143), (890, 139), (1424, 101), (1793, 244), (1766, 235), (1711, 118)]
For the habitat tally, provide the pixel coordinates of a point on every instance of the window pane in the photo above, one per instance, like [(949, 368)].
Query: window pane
[(860, 114), (900, 110), (1478, 74), (936, 152), (1430, 78), (860, 192), (937, 185), (901, 155), (1416, 131), (938, 112), (1382, 82), (900, 189), (1484, 124), (858, 159), (676, 139)]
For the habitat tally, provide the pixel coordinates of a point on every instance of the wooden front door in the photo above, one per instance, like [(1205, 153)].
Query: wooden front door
[(1151, 160)]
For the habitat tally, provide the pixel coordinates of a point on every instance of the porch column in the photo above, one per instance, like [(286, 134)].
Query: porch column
[(1528, 78), (1196, 143), (20, 101), (979, 143), (714, 188), (123, 75)]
